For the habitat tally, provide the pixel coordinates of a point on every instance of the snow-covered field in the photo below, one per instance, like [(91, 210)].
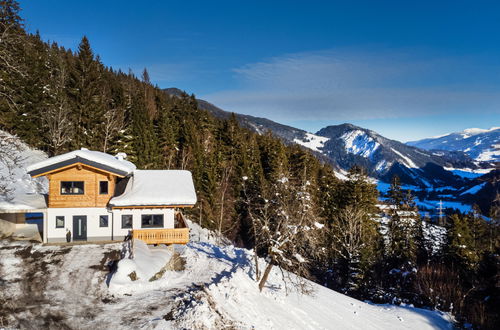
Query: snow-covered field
[(67, 287)]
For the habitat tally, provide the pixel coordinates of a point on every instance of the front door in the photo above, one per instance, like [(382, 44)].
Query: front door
[(79, 227)]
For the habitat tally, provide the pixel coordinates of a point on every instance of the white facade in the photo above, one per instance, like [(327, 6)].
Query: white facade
[(94, 232), (120, 233)]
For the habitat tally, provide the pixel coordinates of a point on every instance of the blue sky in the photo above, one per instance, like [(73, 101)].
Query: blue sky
[(405, 69)]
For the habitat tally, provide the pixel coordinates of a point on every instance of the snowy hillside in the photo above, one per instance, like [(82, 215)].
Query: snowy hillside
[(358, 142), (480, 144), (15, 157), (347, 145), (312, 141), (66, 286)]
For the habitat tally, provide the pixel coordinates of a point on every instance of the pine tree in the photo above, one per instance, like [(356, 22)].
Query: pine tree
[(402, 228), (353, 230), (85, 85)]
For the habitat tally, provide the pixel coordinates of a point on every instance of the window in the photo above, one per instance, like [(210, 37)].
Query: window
[(152, 221), (103, 221), (126, 221), (72, 188), (103, 187), (60, 221)]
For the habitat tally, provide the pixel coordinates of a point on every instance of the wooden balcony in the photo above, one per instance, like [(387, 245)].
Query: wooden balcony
[(162, 236)]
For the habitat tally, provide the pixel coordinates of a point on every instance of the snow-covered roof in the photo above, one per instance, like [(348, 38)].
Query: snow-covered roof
[(23, 203), (157, 187), (93, 158)]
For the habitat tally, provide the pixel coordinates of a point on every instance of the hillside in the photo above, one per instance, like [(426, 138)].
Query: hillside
[(256, 124), (66, 287), (346, 145), (480, 144)]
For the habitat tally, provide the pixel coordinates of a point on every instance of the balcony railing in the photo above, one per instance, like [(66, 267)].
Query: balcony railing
[(162, 236)]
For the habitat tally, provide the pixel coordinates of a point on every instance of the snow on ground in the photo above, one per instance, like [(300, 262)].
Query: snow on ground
[(382, 166), (474, 189), (341, 174), (467, 172), (432, 204), (475, 131), (384, 187), (66, 287), (359, 143), (487, 155), (313, 142), (408, 162)]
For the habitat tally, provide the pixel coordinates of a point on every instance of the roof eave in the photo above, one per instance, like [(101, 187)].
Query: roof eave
[(66, 163)]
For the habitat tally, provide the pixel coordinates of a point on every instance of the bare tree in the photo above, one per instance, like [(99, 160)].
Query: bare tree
[(114, 122), (12, 40), (223, 186), (351, 233), (10, 159), (285, 228), (57, 115)]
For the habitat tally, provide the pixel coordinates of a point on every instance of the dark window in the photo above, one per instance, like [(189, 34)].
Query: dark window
[(126, 221), (152, 221), (103, 221), (103, 187), (60, 221), (72, 188)]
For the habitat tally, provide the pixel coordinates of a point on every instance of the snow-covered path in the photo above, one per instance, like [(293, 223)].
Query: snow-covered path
[(66, 287)]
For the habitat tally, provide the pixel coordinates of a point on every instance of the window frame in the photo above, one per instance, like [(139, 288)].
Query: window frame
[(72, 186), (107, 221), (131, 221), (153, 220), (63, 221), (107, 187)]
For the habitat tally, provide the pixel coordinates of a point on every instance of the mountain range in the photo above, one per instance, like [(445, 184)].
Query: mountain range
[(480, 144), (346, 145)]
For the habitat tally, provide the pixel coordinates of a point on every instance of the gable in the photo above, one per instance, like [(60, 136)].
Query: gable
[(75, 162)]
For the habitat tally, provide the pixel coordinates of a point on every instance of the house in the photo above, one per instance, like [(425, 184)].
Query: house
[(94, 196)]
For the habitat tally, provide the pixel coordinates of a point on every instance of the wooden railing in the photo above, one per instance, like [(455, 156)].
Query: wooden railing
[(162, 236)]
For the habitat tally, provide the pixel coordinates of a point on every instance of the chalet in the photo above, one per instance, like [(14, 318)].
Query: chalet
[(94, 196)]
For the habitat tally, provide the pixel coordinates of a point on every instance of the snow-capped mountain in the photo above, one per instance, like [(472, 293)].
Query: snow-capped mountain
[(480, 144), (346, 145), (349, 145)]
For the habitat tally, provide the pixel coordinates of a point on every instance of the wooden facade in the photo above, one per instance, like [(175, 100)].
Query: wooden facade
[(91, 178)]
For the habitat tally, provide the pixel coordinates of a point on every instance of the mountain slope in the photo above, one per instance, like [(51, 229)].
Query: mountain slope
[(256, 124), (383, 158), (346, 145), (215, 289), (480, 144)]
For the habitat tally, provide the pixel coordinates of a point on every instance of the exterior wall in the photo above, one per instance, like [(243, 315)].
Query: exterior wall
[(94, 232), (91, 196), (13, 217), (119, 233)]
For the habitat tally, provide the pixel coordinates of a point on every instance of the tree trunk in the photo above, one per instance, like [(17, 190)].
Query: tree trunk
[(257, 272), (265, 276)]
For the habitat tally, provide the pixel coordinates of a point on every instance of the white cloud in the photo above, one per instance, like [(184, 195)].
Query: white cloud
[(350, 85)]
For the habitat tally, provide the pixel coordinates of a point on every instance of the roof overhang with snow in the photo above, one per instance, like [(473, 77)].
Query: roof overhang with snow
[(95, 159), (157, 189), (27, 203)]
